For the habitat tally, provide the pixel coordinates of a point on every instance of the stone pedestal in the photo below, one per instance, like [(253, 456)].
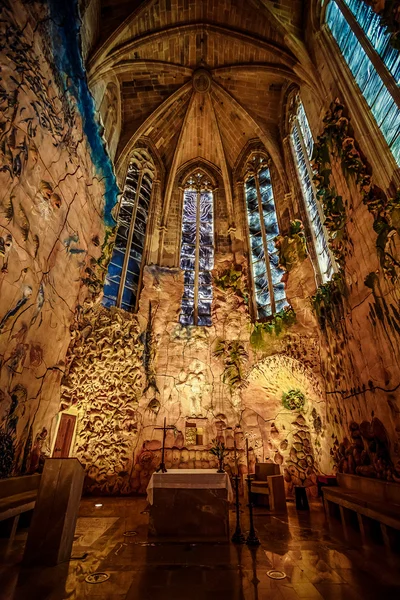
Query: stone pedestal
[(51, 533)]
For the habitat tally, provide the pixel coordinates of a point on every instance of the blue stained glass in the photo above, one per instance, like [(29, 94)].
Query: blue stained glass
[(188, 291), (125, 229), (260, 268), (187, 263), (205, 278), (371, 85), (197, 231), (205, 291), (131, 280), (188, 277), (108, 302), (204, 321), (304, 170), (255, 212), (264, 311), (369, 21), (251, 195), (111, 291), (206, 258)]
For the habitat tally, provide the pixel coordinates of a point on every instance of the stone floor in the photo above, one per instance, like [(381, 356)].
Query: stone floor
[(316, 565)]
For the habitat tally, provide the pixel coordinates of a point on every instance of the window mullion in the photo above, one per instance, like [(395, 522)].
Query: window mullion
[(197, 261), (372, 54), (129, 242), (265, 245), (317, 203)]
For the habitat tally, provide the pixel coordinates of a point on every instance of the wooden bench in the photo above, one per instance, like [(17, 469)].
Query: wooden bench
[(370, 506), (268, 484), (17, 495)]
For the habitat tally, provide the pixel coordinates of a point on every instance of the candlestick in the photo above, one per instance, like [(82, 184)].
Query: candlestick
[(238, 537), (252, 539), (236, 460)]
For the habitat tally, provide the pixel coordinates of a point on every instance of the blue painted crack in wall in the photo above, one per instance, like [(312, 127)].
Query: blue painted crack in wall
[(64, 29)]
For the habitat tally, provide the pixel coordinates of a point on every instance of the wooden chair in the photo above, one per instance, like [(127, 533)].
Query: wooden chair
[(268, 488)]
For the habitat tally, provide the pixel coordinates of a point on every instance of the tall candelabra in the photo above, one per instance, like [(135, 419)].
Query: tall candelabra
[(238, 537), (252, 539)]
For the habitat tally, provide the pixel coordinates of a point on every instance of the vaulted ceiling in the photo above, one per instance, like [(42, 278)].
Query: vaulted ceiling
[(200, 78)]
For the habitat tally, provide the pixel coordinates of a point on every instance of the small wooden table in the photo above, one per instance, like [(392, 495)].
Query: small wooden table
[(190, 504)]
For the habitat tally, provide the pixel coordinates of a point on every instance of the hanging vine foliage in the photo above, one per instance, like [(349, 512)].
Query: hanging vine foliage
[(389, 12), (328, 302), (292, 248), (232, 279), (338, 137), (335, 126), (235, 358), (277, 325)]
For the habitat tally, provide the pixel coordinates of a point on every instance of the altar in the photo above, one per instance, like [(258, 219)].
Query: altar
[(190, 504)]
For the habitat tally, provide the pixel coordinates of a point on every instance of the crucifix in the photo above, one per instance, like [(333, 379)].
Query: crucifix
[(162, 466)]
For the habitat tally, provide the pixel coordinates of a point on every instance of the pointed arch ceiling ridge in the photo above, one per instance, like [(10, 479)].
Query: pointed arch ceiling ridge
[(150, 14), (118, 53)]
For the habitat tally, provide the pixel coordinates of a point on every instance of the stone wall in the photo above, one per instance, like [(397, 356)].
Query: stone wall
[(53, 237)]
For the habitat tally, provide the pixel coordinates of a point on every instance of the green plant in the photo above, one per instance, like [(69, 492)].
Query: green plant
[(292, 248), (293, 400), (281, 321), (389, 12), (219, 450), (338, 136), (232, 279), (327, 302), (335, 130), (235, 357)]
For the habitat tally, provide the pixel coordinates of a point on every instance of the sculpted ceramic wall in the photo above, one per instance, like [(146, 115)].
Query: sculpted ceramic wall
[(358, 314), (51, 233)]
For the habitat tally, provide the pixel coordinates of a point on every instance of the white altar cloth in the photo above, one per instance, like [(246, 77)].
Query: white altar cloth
[(195, 479)]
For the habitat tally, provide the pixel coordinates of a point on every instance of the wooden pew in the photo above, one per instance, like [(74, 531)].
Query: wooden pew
[(372, 504), (17, 495)]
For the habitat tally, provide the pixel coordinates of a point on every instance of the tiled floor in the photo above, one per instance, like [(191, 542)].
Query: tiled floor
[(316, 565)]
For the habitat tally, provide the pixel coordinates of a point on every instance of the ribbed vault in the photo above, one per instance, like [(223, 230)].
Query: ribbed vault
[(250, 52)]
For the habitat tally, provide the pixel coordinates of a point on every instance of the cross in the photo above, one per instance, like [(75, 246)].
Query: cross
[(162, 466)]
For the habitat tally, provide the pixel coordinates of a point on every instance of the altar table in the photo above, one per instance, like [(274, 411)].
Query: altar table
[(190, 504)]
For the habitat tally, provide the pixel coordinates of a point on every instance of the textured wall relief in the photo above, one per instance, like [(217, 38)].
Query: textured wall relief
[(104, 378), (51, 231), (366, 452), (289, 403), (358, 310)]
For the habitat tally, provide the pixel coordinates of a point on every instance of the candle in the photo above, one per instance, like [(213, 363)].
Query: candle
[(236, 461)]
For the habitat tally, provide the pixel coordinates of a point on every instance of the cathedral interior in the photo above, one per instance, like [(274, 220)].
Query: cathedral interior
[(199, 249)]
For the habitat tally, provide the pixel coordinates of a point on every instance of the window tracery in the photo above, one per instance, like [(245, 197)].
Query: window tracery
[(197, 249), (302, 145), (123, 279), (269, 291), (364, 45)]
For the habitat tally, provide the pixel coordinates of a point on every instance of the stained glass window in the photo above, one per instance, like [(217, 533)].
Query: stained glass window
[(303, 143), (197, 251), (381, 102), (263, 228), (122, 283)]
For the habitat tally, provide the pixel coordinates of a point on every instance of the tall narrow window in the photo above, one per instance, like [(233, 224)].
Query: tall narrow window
[(197, 250), (303, 143), (365, 47), (122, 283), (263, 228)]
